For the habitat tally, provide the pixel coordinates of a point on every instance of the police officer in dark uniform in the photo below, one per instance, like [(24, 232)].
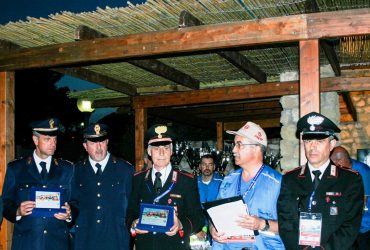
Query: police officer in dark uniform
[(100, 191), (320, 205), (164, 185), (39, 170)]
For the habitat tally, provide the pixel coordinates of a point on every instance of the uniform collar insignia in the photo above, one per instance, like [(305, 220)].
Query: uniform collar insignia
[(174, 176), (56, 162), (333, 170), (314, 120)]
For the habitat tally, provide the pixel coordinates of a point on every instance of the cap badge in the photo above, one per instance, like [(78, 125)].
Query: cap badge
[(160, 130), (314, 120), (97, 129), (51, 123)]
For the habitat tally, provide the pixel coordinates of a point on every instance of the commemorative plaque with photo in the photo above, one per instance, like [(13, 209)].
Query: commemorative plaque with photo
[(49, 201), (155, 218)]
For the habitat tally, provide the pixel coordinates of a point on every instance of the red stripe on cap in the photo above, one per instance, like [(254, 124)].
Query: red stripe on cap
[(159, 139)]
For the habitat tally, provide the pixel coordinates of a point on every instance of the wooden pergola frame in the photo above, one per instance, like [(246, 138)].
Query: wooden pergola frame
[(306, 29)]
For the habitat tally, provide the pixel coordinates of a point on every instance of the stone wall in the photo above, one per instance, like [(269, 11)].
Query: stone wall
[(289, 145), (355, 135)]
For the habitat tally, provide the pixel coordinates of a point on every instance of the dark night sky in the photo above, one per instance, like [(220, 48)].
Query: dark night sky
[(19, 9)]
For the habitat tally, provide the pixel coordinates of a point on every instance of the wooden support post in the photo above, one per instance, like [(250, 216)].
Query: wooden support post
[(309, 85), (140, 128), (220, 136), (6, 143)]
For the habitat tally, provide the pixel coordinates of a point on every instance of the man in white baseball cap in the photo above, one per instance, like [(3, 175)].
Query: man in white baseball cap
[(259, 186)]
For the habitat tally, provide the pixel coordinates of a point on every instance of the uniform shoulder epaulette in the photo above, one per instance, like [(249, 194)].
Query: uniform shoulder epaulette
[(350, 170), (61, 159), (293, 170), (17, 159), (141, 172), (182, 172), (116, 159)]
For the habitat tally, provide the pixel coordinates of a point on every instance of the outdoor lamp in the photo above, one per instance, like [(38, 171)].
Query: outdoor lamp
[(84, 105)]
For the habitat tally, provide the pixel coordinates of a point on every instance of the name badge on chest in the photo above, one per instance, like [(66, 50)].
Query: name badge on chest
[(310, 225)]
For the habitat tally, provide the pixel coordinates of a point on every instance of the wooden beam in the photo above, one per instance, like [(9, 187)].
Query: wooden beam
[(309, 74), (6, 142), (351, 108), (252, 91), (152, 65), (312, 7), (201, 38), (111, 103), (238, 113), (183, 117), (264, 123), (220, 136), (107, 82), (140, 128), (83, 32), (84, 74), (331, 55), (158, 68), (259, 104), (234, 57)]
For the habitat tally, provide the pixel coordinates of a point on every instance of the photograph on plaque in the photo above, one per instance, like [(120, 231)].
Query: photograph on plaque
[(49, 201), (155, 218)]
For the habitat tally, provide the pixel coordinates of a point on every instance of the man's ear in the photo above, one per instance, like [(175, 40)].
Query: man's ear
[(149, 151), (35, 139), (333, 143)]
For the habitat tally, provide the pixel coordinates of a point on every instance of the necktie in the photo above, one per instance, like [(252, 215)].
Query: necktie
[(157, 182), (44, 172), (316, 181), (99, 172)]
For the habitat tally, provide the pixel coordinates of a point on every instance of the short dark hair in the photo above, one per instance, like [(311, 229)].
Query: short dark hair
[(207, 156)]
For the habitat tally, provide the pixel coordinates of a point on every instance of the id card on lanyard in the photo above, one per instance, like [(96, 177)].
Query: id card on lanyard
[(310, 225)]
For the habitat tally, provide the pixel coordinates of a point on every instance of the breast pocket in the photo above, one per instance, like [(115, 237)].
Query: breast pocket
[(24, 192)]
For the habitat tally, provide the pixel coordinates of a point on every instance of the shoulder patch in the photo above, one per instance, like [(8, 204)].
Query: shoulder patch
[(141, 172), (116, 159), (186, 174), (293, 170), (350, 170)]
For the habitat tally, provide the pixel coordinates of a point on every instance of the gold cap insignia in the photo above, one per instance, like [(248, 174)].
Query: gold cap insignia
[(160, 130), (97, 129), (51, 123)]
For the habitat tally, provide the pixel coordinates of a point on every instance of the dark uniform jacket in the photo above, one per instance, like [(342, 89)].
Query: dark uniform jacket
[(184, 195), (99, 205), (30, 232), (339, 198)]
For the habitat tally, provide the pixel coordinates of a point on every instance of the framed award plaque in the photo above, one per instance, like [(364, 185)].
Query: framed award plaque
[(155, 218)]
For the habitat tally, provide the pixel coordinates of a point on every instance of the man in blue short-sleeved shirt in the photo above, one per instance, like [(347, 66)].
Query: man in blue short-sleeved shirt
[(259, 185)]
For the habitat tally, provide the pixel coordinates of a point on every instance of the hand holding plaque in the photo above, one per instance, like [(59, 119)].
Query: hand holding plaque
[(156, 218), (48, 201)]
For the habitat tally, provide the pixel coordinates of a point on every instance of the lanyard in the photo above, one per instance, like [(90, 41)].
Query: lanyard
[(156, 200), (310, 201), (250, 185)]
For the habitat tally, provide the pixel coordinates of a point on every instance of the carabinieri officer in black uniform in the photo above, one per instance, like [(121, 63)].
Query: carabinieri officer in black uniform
[(320, 205), (42, 171), (100, 191), (164, 185)]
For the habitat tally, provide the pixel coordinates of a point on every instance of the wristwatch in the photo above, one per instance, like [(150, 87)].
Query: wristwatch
[(267, 226)]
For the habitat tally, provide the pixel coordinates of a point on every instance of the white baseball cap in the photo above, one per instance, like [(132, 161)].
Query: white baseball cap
[(251, 131)]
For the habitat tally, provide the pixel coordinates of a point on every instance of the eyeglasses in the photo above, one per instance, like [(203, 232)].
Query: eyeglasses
[(240, 145)]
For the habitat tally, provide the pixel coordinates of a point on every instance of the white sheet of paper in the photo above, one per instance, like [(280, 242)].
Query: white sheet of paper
[(225, 216)]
